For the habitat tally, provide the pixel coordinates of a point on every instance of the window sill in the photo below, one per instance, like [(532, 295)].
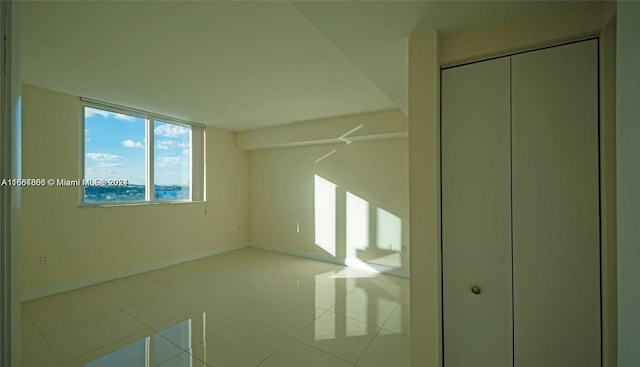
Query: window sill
[(137, 203)]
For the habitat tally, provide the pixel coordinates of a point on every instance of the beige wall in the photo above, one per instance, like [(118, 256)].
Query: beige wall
[(282, 197), (524, 33), (424, 182), (91, 244), (628, 181)]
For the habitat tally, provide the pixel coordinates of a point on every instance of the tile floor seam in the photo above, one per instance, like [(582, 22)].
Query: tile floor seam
[(364, 322), (390, 314), (275, 351), (84, 322), (179, 347), (318, 316), (95, 349), (79, 323), (303, 329), (324, 351), (112, 303), (376, 297), (129, 306), (214, 335), (368, 345), (60, 360), (394, 332), (34, 325), (128, 312), (59, 306), (165, 284), (152, 328), (190, 350)]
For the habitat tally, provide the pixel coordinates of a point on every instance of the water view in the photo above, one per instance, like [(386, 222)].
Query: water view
[(97, 194)]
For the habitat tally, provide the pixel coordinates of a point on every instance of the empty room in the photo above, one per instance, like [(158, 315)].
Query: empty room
[(320, 183)]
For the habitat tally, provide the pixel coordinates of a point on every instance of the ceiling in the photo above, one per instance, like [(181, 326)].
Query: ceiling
[(241, 65)]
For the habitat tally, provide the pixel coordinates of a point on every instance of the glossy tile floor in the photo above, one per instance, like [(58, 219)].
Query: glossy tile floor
[(243, 308)]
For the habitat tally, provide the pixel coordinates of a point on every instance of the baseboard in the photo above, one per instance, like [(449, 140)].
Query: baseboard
[(354, 263), (39, 292)]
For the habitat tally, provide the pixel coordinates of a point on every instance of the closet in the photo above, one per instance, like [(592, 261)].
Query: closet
[(520, 210)]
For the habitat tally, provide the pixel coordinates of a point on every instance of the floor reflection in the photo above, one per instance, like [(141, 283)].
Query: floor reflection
[(153, 350), (244, 308)]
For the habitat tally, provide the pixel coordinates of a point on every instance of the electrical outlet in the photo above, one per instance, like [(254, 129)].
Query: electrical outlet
[(44, 259)]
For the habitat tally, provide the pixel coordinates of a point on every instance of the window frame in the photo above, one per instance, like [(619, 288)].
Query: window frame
[(149, 121)]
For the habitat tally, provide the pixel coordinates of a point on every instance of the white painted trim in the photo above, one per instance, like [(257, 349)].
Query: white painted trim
[(353, 263), (135, 112), (39, 292)]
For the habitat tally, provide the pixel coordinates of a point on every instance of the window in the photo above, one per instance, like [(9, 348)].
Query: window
[(132, 156), (171, 161)]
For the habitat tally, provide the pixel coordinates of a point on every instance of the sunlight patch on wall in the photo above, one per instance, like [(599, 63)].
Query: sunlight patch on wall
[(357, 225), (325, 214), (389, 231)]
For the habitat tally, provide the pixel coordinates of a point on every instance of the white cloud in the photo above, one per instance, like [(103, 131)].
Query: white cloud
[(166, 162), (132, 144), (109, 165), (103, 157), (90, 112), (186, 151), (165, 144), (120, 116), (170, 131)]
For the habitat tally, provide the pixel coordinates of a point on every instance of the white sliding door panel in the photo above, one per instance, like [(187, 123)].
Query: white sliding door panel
[(556, 246), (476, 215)]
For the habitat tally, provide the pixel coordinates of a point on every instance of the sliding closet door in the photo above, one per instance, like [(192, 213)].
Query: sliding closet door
[(476, 227), (555, 207)]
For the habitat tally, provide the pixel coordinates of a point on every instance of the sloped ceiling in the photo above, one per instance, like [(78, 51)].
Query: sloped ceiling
[(240, 65)]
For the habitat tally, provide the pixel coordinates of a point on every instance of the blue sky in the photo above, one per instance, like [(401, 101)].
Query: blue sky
[(114, 149)]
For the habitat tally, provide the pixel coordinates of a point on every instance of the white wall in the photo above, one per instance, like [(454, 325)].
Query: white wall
[(87, 245), (628, 159), (368, 208)]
